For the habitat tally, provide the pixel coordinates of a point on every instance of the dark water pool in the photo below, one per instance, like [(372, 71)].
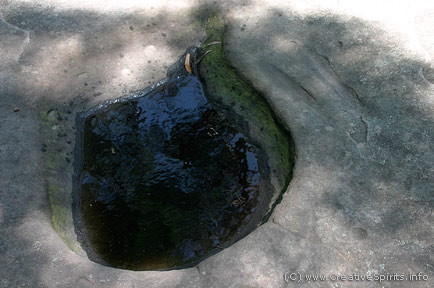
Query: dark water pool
[(166, 179)]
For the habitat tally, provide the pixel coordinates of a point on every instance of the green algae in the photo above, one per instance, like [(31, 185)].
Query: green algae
[(225, 85), (59, 215), (59, 199)]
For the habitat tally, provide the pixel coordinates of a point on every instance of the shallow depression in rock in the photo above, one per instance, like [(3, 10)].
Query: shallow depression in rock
[(167, 177)]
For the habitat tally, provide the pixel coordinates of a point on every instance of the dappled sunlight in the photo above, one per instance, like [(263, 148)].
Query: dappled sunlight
[(118, 54), (286, 45), (398, 17), (13, 41), (384, 11), (53, 60), (65, 57), (353, 81), (135, 63), (403, 44), (356, 92), (102, 6)]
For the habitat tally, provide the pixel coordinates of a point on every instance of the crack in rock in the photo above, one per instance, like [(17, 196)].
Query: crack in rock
[(10, 36), (360, 135), (308, 93), (427, 78), (351, 89), (366, 128)]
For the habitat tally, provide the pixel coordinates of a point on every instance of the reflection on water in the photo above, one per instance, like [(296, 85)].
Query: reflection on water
[(166, 179)]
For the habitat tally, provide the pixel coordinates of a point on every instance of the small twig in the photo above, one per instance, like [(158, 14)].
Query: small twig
[(201, 57), (212, 43)]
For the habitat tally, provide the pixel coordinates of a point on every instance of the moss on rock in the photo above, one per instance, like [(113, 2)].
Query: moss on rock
[(225, 85), (59, 195)]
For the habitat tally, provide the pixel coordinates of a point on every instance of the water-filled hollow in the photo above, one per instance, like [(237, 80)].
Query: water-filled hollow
[(167, 177)]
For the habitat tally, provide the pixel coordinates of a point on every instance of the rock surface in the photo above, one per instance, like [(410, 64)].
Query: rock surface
[(354, 82)]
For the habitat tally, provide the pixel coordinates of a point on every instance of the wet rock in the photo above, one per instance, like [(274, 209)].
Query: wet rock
[(168, 175)]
